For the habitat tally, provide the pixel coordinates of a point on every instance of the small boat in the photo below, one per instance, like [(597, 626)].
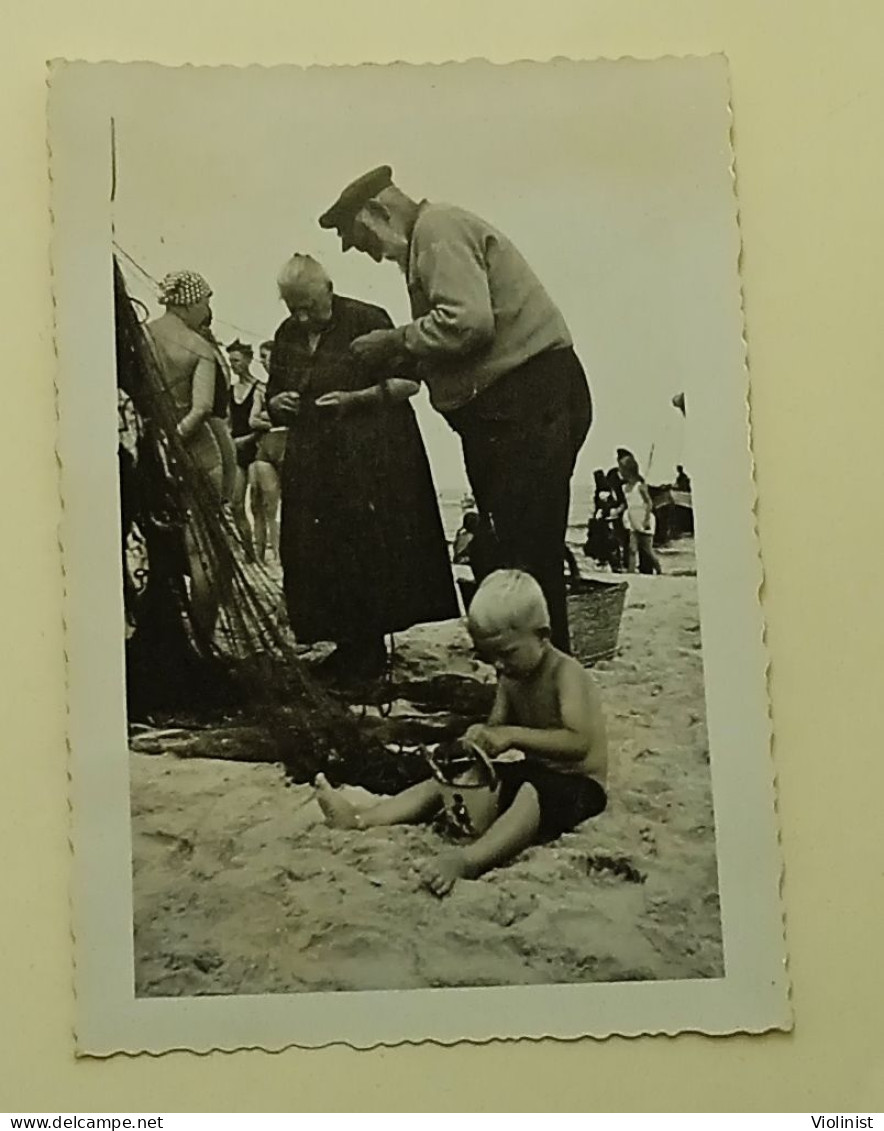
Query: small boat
[(674, 513)]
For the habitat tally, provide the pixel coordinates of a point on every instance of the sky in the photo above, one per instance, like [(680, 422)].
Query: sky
[(606, 175)]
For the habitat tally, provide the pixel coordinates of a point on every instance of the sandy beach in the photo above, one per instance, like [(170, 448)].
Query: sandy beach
[(239, 889)]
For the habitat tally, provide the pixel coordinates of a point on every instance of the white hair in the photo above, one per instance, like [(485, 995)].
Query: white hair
[(508, 599), (301, 275)]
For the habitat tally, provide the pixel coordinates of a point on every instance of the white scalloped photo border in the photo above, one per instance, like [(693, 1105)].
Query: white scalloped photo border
[(753, 994)]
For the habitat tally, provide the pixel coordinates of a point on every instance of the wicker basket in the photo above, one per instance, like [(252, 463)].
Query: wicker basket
[(595, 608)]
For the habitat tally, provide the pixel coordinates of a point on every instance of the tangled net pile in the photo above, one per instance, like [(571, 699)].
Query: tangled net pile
[(249, 670)]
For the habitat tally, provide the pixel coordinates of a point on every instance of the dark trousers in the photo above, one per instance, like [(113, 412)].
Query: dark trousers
[(520, 442)]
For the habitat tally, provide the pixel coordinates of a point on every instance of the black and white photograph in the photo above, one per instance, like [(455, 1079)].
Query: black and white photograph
[(413, 630)]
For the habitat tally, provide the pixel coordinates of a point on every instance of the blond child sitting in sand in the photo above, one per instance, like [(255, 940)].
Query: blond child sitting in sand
[(547, 706)]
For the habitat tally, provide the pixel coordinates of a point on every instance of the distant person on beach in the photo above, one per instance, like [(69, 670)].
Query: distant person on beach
[(497, 358), (362, 547), (615, 518), (618, 510), (600, 492), (607, 538), (243, 391), (266, 468), (475, 545), (463, 537), (571, 565), (547, 707), (602, 535), (682, 480), (639, 517)]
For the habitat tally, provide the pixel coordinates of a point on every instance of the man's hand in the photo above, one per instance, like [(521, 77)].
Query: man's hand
[(339, 399), (378, 346), (285, 406), (493, 740)]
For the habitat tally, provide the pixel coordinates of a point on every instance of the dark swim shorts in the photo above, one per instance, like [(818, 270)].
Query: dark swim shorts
[(246, 451), (271, 447), (566, 800)]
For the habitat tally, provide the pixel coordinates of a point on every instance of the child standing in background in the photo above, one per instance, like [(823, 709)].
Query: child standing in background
[(638, 517)]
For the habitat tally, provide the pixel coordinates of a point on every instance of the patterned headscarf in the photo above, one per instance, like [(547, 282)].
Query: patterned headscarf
[(183, 288)]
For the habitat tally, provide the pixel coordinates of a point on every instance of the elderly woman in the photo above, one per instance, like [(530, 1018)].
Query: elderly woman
[(362, 547), (195, 378)]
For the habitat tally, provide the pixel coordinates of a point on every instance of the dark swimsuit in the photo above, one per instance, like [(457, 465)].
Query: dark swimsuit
[(240, 411), (566, 800)]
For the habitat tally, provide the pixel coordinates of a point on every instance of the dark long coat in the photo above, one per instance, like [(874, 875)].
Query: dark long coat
[(361, 544)]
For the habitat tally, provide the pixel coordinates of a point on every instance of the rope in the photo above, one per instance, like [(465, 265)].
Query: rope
[(155, 284)]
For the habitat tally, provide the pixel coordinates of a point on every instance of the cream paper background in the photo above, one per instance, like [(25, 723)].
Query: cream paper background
[(807, 94), (690, 95)]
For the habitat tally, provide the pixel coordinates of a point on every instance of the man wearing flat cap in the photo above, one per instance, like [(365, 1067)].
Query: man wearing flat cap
[(496, 356)]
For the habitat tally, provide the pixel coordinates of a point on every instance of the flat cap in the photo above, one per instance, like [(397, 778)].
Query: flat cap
[(343, 212)]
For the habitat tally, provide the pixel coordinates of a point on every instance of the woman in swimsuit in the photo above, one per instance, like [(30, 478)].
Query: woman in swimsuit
[(266, 469), (197, 390), (189, 366), (243, 392)]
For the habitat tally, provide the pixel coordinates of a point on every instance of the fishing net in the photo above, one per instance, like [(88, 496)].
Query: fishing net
[(246, 669)]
